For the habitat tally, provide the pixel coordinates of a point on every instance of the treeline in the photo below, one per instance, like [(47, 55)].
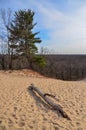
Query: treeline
[(19, 62), (65, 67)]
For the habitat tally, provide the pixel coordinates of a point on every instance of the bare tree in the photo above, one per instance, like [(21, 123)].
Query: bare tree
[(47, 51), (6, 17), (3, 51)]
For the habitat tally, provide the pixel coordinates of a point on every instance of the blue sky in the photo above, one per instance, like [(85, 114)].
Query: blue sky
[(62, 23)]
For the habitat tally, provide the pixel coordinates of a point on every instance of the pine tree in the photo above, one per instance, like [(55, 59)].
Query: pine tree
[(22, 37)]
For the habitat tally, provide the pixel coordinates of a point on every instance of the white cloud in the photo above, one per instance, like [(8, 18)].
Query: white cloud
[(67, 32)]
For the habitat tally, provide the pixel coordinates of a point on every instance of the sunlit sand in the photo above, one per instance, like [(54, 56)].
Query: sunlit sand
[(19, 110)]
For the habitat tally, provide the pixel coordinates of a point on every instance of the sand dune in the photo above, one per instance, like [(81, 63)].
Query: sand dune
[(21, 110)]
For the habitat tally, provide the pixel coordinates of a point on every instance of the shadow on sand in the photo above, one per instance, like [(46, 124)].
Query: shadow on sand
[(39, 101)]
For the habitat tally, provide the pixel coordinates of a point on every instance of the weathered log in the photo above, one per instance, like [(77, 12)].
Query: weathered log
[(56, 107), (53, 96)]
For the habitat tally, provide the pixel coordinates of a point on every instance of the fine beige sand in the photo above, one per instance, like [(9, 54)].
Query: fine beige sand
[(22, 110)]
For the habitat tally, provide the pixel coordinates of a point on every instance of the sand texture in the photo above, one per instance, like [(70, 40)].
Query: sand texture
[(22, 110)]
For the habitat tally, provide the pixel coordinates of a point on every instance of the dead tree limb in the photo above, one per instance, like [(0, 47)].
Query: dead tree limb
[(56, 107), (53, 96)]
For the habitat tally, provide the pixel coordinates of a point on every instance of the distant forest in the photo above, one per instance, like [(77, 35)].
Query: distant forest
[(65, 67)]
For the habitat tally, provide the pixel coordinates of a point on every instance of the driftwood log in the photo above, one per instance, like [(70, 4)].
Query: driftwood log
[(52, 105)]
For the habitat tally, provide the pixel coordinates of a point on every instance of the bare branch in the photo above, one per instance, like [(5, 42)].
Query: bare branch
[(56, 107)]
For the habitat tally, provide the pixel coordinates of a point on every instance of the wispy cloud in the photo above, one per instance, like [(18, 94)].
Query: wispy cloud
[(67, 33), (62, 29)]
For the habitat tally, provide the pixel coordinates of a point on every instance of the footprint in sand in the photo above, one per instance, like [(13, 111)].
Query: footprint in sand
[(14, 116), (80, 129), (78, 123), (56, 128), (21, 123), (30, 126), (3, 128), (0, 121)]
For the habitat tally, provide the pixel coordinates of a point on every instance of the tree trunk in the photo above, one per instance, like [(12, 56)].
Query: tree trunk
[(10, 64), (11, 60), (3, 62), (30, 63)]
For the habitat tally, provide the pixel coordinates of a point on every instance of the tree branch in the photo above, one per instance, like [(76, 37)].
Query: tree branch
[(56, 107)]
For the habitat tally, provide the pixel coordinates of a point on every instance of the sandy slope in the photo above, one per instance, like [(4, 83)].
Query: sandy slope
[(21, 110)]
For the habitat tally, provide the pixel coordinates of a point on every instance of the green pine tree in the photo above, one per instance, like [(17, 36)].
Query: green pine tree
[(22, 37)]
